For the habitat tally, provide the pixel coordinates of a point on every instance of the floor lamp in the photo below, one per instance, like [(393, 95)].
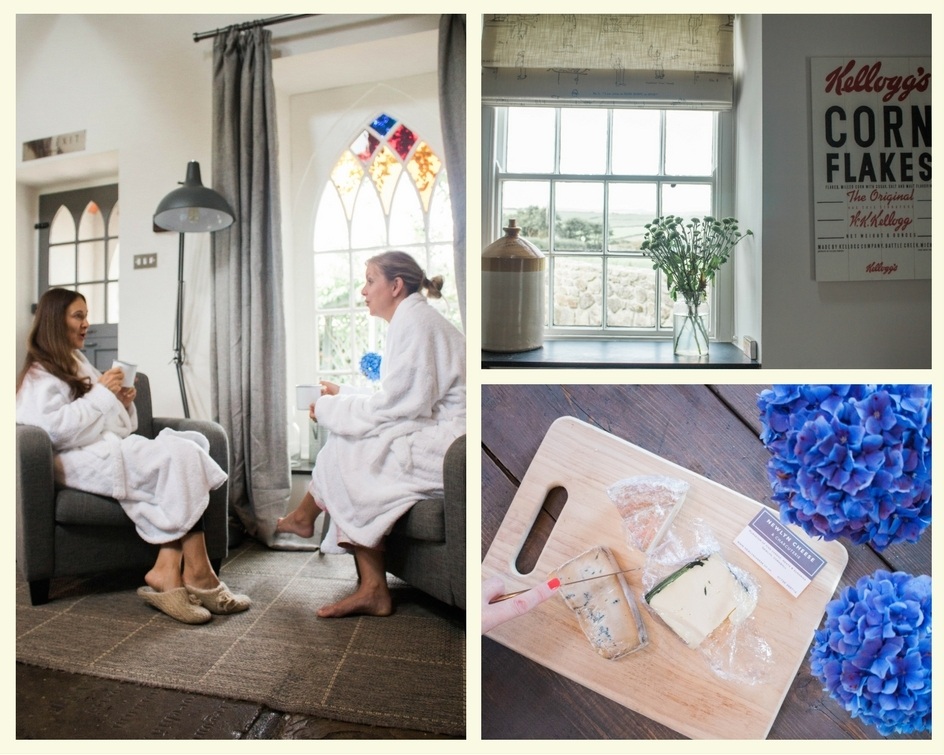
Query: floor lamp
[(192, 208)]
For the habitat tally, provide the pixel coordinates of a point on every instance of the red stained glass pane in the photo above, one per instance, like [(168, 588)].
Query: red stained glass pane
[(402, 140), (364, 146)]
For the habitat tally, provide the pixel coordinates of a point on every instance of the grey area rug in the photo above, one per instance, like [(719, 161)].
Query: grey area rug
[(406, 670)]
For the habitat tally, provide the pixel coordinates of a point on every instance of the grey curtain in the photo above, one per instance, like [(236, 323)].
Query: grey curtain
[(248, 328), (452, 117)]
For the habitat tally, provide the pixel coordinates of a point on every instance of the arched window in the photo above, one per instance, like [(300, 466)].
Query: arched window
[(78, 249), (387, 190)]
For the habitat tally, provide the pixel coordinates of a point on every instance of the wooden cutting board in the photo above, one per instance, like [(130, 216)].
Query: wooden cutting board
[(666, 681)]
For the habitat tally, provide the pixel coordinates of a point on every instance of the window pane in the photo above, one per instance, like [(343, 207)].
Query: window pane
[(367, 226), (578, 291), (689, 140), (334, 342), (62, 228), (635, 142), (406, 215), (583, 141), (530, 142), (527, 203), (62, 265), (440, 212), (113, 266), (631, 206), (332, 280), (91, 261), (114, 221), (91, 224), (95, 298), (578, 217), (112, 302), (687, 200), (631, 293), (330, 221)]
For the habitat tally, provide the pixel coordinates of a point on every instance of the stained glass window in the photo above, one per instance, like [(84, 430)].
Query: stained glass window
[(387, 190)]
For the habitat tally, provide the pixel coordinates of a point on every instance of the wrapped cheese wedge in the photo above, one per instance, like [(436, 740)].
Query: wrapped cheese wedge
[(647, 505), (696, 599), (602, 602)]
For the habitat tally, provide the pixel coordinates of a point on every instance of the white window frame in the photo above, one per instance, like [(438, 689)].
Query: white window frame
[(722, 300)]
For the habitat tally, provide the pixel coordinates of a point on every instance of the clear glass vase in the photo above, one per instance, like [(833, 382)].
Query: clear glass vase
[(690, 327)]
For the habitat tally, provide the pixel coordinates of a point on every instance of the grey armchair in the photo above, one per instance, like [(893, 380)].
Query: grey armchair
[(62, 532), (426, 547)]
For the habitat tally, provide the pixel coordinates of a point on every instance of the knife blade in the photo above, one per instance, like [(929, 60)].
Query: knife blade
[(509, 595)]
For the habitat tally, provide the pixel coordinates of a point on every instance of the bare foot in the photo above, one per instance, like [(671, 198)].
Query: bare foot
[(365, 601), (296, 523), (162, 581)]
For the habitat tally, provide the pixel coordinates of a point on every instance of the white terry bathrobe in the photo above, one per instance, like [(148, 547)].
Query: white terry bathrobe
[(385, 449), (163, 485)]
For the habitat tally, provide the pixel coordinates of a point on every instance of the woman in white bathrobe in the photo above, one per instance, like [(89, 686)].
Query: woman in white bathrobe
[(163, 485), (385, 449)]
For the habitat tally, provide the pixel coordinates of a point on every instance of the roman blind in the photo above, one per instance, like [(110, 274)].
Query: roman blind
[(665, 61)]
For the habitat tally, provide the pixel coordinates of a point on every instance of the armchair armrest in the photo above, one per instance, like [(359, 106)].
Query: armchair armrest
[(454, 476), (35, 503)]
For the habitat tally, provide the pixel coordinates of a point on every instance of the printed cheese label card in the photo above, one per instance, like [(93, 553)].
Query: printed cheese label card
[(779, 552)]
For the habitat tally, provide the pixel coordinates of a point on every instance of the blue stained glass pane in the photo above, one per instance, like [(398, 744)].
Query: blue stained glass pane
[(383, 123)]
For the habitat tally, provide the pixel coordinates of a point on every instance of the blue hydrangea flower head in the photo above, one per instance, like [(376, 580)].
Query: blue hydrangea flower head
[(370, 366), (850, 460), (873, 652)]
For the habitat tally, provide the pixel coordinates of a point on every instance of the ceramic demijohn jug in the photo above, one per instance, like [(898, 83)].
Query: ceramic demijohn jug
[(513, 293)]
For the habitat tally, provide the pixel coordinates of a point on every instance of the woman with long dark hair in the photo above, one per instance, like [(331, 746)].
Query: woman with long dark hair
[(163, 484)]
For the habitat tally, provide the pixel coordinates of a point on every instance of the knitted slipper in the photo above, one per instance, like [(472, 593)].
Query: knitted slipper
[(220, 600), (176, 603)]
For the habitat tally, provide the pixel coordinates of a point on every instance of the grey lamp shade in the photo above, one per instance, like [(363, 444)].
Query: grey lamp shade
[(193, 207)]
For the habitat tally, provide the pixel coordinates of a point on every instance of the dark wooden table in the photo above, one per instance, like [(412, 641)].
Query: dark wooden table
[(711, 430)]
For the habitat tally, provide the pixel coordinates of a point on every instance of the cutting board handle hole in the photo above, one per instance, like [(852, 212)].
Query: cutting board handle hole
[(537, 538)]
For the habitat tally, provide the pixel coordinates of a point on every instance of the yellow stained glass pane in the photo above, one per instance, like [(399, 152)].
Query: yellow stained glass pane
[(384, 171), (62, 228), (423, 167), (346, 176), (91, 224)]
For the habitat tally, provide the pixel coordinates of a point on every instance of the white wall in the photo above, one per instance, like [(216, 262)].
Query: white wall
[(140, 88), (880, 324), (748, 262)]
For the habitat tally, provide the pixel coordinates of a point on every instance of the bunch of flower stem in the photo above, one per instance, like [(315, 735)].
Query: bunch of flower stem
[(689, 254)]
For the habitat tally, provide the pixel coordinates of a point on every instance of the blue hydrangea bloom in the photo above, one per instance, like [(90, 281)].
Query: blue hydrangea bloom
[(873, 652), (850, 460), (370, 366)]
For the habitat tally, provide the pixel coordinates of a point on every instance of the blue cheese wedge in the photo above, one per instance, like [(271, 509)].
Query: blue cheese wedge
[(696, 599), (602, 603)]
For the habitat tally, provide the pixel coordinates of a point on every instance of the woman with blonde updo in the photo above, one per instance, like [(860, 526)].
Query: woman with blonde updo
[(385, 448)]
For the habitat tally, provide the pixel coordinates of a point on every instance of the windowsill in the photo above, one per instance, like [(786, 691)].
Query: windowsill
[(574, 352)]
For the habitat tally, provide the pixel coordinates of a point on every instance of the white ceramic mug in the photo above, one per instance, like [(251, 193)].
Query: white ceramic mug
[(306, 395), (130, 370)]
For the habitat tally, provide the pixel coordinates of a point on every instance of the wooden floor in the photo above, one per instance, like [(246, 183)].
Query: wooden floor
[(711, 430), (57, 705)]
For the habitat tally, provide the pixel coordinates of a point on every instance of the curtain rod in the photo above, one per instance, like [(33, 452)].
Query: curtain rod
[(197, 36)]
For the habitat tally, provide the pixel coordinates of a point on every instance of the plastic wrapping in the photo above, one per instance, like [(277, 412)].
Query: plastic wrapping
[(647, 505), (733, 649)]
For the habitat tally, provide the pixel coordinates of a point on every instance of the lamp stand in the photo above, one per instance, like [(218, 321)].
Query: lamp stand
[(178, 328)]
